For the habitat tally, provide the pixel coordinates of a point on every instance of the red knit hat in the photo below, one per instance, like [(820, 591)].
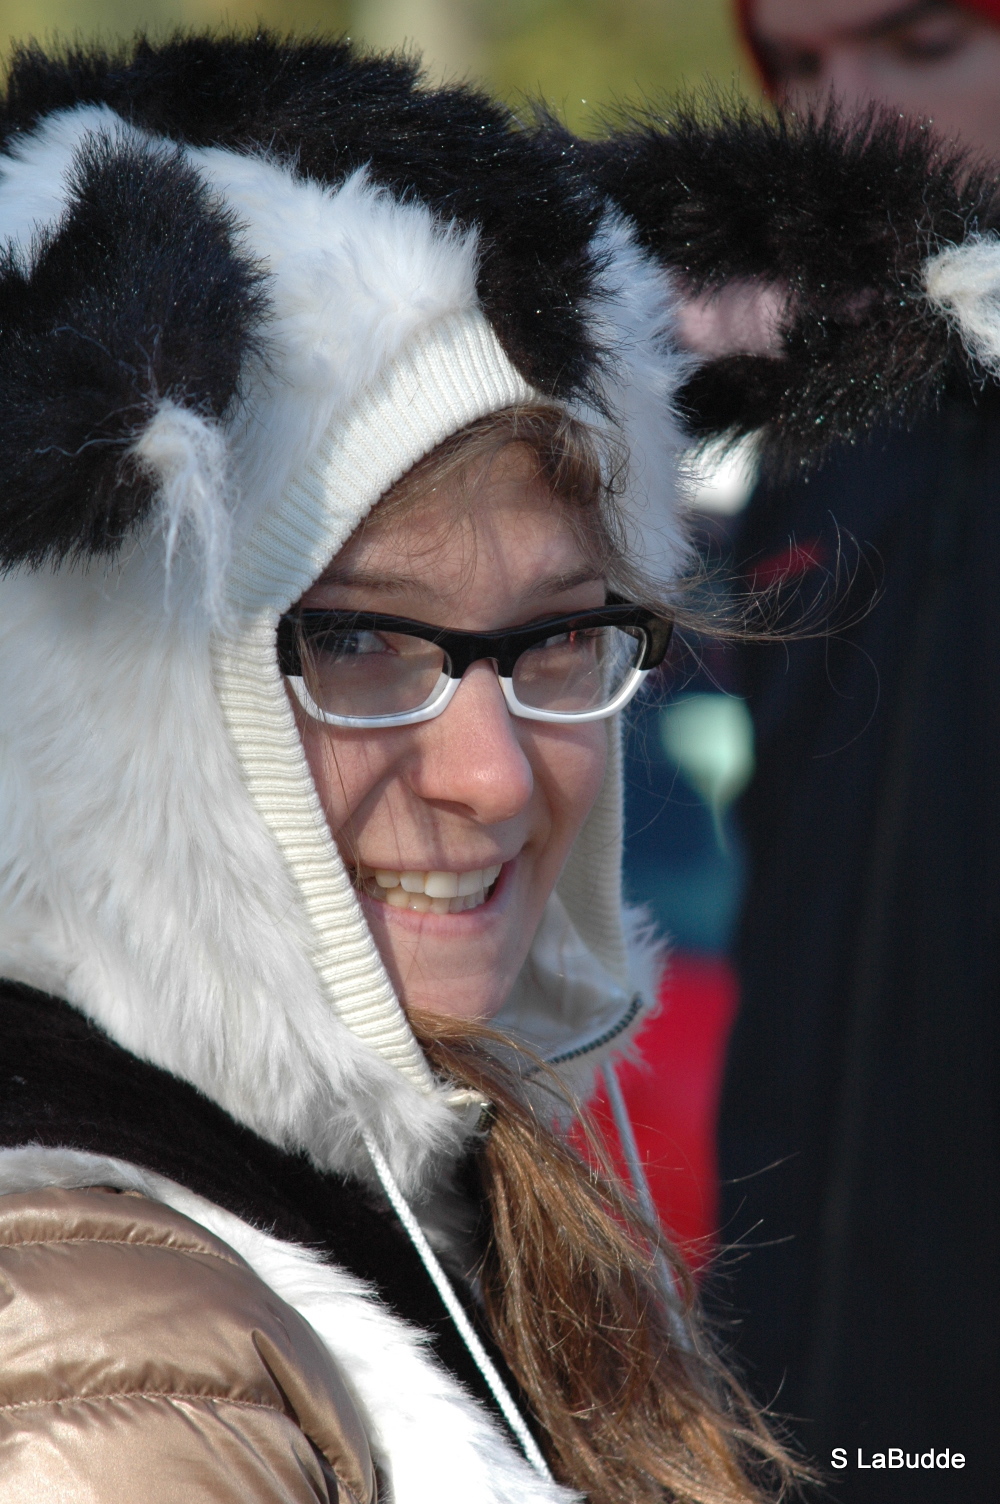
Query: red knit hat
[(988, 9)]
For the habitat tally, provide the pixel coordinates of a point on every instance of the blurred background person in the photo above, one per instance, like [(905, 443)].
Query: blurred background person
[(931, 59), (858, 1131)]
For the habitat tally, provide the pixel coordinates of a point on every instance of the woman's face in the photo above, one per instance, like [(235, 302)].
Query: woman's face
[(476, 788)]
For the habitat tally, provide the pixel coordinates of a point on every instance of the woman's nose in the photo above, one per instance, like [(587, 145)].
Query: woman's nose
[(472, 756)]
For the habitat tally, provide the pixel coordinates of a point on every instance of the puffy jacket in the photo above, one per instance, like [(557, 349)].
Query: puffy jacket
[(143, 1359)]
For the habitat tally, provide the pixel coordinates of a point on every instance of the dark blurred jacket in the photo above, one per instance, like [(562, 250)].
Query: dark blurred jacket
[(859, 1119)]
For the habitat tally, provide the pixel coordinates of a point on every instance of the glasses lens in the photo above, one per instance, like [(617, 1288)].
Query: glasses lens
[(577, 671), (352, 672)]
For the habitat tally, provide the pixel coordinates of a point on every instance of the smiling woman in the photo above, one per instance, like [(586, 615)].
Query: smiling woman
[(356, 528), (476, 787), (454, 673), (341, 515)]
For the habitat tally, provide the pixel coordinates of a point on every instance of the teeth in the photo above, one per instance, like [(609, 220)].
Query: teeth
[(432, 892)]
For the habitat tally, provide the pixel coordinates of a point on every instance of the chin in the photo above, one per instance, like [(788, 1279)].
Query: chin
[(473, 958), (461, 1007)]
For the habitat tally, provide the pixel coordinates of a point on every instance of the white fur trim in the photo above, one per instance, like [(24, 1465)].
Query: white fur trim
[(357, 278), (138, 880), (434, 1442), (188, 459), (963, 283)]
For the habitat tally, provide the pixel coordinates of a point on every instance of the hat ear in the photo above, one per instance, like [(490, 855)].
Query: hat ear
[(324, 111), (842, 218), (136, 297)]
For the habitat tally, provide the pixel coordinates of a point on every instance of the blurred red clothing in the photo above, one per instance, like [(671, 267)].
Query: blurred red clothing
[(672, 1094)]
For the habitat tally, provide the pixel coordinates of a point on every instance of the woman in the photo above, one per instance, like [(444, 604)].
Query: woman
[(339, 514)]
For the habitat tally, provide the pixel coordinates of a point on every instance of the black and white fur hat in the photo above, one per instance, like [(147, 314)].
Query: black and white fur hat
[(211, 228), (143, 273), (245, 286)]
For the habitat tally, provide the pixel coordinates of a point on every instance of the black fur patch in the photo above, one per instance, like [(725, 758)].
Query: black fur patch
[(326, 110), (840, 213), (137, 295)]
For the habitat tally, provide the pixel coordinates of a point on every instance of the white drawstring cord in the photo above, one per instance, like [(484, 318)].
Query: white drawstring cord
[(630, 1149), (442, 1284), (643, 1195)]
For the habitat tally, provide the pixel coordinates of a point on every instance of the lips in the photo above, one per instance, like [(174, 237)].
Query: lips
[(429, 892)]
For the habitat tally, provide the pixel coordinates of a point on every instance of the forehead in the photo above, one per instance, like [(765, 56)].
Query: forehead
[(499, 522), (819, 20)]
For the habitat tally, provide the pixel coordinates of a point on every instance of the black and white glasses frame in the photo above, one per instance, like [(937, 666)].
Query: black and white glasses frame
[(651, 629)]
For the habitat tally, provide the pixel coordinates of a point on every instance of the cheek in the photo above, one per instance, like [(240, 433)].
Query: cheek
[(346, 770), (570, 765), (327, 775)]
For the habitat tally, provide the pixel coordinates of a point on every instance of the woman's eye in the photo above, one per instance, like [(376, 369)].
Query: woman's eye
[(583, 638), (353, 645), (930, 40)]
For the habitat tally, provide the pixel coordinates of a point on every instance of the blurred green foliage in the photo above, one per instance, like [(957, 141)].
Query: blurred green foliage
[(580, 55), (584, 55)]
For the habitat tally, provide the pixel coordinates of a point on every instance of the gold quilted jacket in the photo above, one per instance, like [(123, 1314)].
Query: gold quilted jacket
[(143, 1359)]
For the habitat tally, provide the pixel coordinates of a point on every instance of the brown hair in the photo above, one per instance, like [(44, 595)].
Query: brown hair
[(584, 471), (635, 1406)]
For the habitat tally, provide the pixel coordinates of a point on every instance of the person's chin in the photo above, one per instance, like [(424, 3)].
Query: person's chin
[(469, 955)]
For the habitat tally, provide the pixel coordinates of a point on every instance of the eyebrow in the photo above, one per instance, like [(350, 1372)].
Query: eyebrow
[(383, 584), (873, 31), (904, 15)]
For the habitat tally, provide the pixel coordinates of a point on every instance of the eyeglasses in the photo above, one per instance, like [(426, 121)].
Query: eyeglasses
[(367, 669)]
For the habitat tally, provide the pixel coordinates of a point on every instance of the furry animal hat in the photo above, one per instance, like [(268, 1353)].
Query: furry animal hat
[(245, 286)]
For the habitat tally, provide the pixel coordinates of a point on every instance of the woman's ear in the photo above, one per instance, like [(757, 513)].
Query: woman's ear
[(870, 246)]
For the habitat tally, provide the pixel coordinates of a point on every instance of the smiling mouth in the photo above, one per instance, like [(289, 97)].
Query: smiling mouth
[(429, 892)]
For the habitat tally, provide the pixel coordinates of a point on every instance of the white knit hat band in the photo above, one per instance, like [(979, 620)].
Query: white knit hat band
[(451, 374)]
